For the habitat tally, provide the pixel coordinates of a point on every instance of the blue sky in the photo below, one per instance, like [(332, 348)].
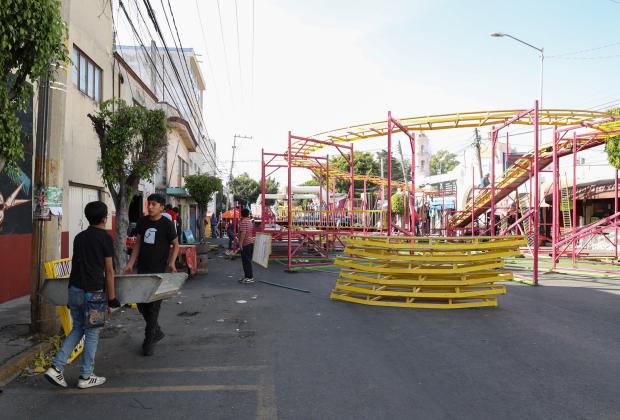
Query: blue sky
[(326, 64)]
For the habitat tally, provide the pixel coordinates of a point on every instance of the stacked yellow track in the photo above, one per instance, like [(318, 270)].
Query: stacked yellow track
[(416, 272)]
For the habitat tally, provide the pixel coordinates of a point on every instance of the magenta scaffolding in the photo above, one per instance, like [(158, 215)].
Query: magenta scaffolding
[(311, 236)]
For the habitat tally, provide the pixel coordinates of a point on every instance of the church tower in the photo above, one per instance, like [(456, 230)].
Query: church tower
[(422, 155)]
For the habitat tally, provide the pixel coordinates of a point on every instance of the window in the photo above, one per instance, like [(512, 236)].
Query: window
[(183, 170), (75, 65), (86, 75), (422, 148), (91, 77), (422, 162)]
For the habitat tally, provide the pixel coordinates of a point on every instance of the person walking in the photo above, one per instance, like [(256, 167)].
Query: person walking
[(155, 235), (246, 244), (214, 225), (92, 275), (230, 232)]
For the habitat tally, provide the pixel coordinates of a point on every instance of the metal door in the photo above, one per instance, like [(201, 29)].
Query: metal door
[(78, 198)]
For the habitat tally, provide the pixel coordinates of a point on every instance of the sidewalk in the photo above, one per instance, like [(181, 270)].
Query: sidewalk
[(15, 334), (18, 347)]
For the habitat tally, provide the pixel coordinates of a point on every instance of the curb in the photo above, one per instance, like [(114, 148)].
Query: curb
[(10, 369)]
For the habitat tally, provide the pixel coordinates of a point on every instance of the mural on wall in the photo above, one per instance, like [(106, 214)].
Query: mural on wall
[(16, 186)]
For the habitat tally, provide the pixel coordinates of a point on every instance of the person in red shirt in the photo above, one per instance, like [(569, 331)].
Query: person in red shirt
[(246, 243), (173, 215)]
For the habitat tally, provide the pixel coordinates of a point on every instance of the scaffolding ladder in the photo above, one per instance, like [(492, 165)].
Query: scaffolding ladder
[(524, 207), (566, 205)]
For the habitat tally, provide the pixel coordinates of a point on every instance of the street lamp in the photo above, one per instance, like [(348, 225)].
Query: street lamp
[(542, 58)]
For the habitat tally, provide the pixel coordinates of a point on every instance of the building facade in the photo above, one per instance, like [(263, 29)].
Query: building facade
[(98, 72)]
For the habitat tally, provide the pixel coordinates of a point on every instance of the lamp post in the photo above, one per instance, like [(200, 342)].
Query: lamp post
[(542, 59), (537, 136)]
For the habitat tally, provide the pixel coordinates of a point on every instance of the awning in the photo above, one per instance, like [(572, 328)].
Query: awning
[(231, 214), (177, 192)]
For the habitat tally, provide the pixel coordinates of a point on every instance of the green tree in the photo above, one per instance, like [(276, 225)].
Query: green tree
[(271, 187), (364, 163), (612, 146), (132, 140), (245, 190), (398, 203), (201, 188), (312, 182), (32, 37), (397, 171), (443, 162)]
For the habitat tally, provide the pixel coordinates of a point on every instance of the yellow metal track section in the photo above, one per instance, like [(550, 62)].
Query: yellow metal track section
[(392, 267), (397, 255), (461, 243), (559, 117), (464, 292), (440, 273), (412, 303), (412, 279)]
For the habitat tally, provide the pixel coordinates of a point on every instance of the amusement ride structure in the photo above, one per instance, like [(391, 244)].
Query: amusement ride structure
[(311, 235)]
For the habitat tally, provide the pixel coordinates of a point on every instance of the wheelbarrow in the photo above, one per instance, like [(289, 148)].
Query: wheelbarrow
[(130, 288)]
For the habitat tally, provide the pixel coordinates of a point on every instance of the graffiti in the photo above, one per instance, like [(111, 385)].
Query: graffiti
[(16, 186)]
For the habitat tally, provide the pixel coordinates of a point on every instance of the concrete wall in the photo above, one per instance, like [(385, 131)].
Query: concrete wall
[(90, 29)]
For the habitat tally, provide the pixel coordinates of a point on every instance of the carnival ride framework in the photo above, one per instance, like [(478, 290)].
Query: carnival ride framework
[(301, 153)]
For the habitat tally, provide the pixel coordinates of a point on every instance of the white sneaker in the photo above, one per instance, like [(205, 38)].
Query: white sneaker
[(246, 280), (91, 382), (55, 376)]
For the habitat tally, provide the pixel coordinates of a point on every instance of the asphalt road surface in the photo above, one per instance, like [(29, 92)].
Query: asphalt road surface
[(236, 351)]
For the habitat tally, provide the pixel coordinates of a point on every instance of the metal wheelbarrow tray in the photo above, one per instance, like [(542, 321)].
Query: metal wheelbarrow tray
[(130, 288)]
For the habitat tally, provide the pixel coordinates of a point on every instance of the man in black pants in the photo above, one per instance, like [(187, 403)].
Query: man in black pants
[(246, 243), (155, 235)]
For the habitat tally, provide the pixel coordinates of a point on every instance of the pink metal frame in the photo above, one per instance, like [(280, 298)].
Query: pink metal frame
[(325, 240)]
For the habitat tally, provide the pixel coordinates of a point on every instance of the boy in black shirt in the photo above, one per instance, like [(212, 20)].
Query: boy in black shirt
[(92, 257), (154, 236)]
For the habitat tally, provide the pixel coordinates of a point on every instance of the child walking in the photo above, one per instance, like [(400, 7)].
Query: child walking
[(92, 274), (155, 236)]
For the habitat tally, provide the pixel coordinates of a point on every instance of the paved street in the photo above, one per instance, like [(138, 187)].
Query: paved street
[(546, 352)]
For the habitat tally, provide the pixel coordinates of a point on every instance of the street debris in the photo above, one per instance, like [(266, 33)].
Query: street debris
[(188, 313), (283, 286)]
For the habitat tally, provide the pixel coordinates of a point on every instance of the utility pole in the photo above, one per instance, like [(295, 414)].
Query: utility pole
[(48, 172), (232, 165), (402, 162), (477, 145)]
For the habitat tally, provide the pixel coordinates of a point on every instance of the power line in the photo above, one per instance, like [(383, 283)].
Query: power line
[(613, 44), (206, 49), (151, 13), (602, 57), (219, 12), (239, 52), (252, 63), (187, 71), (183, 61), (139, 39)]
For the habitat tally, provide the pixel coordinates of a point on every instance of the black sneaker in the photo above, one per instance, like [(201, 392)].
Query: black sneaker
[(159, 335), (148, 348)]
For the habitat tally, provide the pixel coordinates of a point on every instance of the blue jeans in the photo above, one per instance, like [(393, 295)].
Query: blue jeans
[(87, 362)]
